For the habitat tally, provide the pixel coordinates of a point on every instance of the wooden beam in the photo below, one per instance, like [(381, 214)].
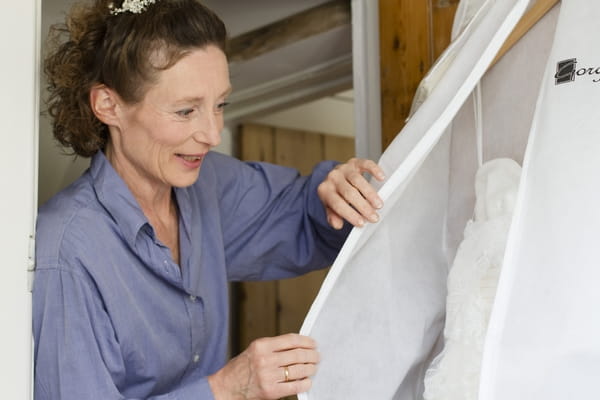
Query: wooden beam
[(527, 22), (309, 84), (405, 57), (413, 33), (311, 22), (443, 19)]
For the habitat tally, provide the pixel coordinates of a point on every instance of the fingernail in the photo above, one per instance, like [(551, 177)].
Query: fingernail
[(361, 222), (378, 203), (374, 217)]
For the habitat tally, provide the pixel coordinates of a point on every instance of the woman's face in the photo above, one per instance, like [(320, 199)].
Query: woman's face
[(163, 139)]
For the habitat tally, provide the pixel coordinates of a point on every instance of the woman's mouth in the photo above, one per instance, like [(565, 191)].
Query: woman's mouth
[(191, 160)]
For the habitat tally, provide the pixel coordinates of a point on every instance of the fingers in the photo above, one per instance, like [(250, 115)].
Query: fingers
[(285, 342), (334, 219), (294, 386), (270, 368), (293, 361), (363, 186), (372, 168), (285, 351), (298, 356), (295, 372), (347, 195)]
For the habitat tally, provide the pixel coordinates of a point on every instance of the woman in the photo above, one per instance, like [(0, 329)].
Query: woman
[(133, 259)]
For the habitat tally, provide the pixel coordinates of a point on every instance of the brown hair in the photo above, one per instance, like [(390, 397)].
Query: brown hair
[(95, 47)]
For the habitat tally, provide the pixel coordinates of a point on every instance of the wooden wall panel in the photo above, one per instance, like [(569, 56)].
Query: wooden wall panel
[(256, 308), (296, 295), (257, 143), (338, 148), (273, 308), (297, 149), (257, 312)]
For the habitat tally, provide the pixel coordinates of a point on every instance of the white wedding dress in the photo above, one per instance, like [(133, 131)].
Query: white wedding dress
[(454, 373)]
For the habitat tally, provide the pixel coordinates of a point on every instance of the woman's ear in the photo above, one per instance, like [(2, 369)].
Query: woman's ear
[(104, 103)]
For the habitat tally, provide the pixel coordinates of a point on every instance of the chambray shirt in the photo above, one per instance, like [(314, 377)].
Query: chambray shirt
[(115, 318)]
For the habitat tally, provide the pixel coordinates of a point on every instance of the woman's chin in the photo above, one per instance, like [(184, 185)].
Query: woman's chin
[(186, 179)]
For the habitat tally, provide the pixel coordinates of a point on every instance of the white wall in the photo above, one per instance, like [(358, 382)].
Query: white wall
[(332, 115), (18, 124)]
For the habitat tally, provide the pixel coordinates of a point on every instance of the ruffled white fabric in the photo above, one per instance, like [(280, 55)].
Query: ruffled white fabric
[(472, 281)]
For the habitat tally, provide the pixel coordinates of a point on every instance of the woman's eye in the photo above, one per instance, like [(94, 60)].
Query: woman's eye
[(185, 113), (222, 105)]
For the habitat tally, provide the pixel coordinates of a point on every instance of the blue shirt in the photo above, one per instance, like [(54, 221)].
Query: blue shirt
[(116, 318)]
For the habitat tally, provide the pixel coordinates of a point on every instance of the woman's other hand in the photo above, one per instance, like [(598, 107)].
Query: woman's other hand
[(347, 195), (270, 368)]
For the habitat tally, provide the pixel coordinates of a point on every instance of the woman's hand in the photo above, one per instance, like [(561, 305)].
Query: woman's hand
[(270, 368), (347, 195)]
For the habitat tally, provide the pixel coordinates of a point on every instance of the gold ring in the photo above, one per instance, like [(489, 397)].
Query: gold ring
[(286, 372)]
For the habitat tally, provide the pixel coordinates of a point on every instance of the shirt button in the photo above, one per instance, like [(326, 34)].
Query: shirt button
[(193, 298), (196, 358)]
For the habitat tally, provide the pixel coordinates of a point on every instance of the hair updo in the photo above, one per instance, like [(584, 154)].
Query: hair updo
[(95, 47)]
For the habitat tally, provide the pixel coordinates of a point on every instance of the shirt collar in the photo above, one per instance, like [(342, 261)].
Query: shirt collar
[(116, 198)]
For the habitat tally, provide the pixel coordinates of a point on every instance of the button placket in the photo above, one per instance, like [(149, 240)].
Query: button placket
[(194, 307)]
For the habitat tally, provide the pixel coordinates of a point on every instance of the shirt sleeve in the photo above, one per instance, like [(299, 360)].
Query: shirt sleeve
[(274, 223), (77, 353)]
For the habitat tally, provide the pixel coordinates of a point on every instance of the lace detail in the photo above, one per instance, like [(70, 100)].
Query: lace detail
[(472, 281)]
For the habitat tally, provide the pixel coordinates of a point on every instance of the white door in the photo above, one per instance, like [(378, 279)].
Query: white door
[(19, 46)]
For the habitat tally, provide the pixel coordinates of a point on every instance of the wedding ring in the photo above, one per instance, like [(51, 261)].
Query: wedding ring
[(286, 372)]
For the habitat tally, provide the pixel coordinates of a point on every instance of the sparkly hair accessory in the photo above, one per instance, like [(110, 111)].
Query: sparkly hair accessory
[(132, 6)]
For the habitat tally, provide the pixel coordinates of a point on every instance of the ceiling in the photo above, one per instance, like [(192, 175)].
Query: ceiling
[(308, 69), (241, 16)]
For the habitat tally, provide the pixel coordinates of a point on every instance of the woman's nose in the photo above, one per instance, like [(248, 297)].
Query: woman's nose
[(210, 128)]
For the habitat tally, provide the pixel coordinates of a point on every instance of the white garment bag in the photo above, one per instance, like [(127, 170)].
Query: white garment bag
[(379, 315), (380, 311), (544, 336)]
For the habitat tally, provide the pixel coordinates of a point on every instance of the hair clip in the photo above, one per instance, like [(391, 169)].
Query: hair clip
[(132, 6)]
